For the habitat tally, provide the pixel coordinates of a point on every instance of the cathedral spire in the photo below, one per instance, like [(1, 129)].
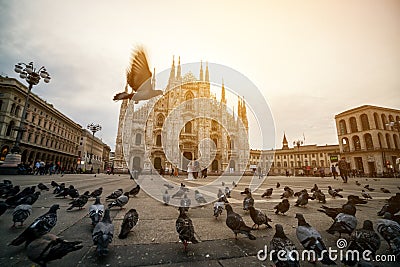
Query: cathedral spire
[(179, 71), (285, 144), (172, 73), (207, 74), (201, 71), (223, 97)]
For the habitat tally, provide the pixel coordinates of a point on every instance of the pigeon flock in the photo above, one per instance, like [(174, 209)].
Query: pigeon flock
[(42, 246)]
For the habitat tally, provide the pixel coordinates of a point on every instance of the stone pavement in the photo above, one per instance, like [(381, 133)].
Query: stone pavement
[(155, 242)]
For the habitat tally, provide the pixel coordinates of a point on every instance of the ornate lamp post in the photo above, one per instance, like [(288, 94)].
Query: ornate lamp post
[(94, 128), (298, 143), (32, 76)]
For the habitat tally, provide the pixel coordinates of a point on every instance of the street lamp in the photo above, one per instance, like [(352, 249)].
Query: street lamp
[(32, 76), (93, 128), (298, 143)]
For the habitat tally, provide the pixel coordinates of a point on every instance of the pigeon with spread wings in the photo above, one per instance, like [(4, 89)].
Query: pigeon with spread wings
[(138, 77)]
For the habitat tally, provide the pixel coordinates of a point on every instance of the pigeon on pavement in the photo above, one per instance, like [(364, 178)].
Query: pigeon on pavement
[(139, 79), (134, 191), (282, 207), (40, 226), (259, 218), (365, 194), (235, 222), (103, 234), (343, 224), (303, 198), (96, 211), (166, 197), (114, 195), (268, 193), (97, 192), (319, 195), (80, 201), (28, 199), (131, 219), (390, 231), (120, 201), (182, 190), (219, 206), (199, 197), (21, 213), (278, 185), (384, 190), (361, 240), (42, 186), (311, 239), (227, 192), (49, 247), (185, 202), (280, 242), (184, 227), (248, 201), (334, 193)]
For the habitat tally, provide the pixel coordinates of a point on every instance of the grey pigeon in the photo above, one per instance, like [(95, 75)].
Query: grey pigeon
[(42, 187), (166, 197), (114, 195), (361, 240), (96, 211), (131, 219), (64, 191), (227, 192), (184, 227), (103, 234), (21, 213), (220, 193), (343, 224), (356, 199), (334, 193), (311, 239), (28, 199), (390, 231), (182, 190), (199, 197), (369, 188), (280, 242), (315, 188), (235, 222), (80, 201), (120, 201), (365, 194), (49, 247), (319, 195), (218, 208), (40, 226), (282, 207), (97, 192), (134, 191), (268, 193), (139, 79), (248, 201), (259, 218), (185, 202), (303, 198), (384, 190)]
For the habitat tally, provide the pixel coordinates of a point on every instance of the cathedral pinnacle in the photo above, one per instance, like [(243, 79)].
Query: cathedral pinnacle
[(207, 73), (201, 71)]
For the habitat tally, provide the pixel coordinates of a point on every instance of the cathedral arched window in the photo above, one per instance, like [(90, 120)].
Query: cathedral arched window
[(188, 127), (138, 139), (188, 97), (364, 122), (160, 120), (214, 126)]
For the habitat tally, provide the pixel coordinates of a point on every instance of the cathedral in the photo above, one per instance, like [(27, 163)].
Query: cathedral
[(187, 124)]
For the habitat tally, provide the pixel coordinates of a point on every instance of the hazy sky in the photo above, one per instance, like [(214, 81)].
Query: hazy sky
[(310, 59)]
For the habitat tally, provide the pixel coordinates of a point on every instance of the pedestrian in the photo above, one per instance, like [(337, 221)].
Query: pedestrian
[(333, 170), (342, 164)]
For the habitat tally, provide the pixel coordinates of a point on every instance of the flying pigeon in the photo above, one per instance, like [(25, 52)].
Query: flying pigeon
[(49, 247), (199, 197), (97, 192), (131, 219), (120, 201), (114, 195), (268, 193), (103, 234), (280, 242), (134, 191), (361, 240), (96, 211), (390, 231), (184, 227), (343, 224), (282, 207), (80, 201), (319, 195), (311, 239), (21, 213), (248, 201), (333, 192), (166, 197), (40, 226), (259, 218), (235, 222), (139, 79), (41, 186)]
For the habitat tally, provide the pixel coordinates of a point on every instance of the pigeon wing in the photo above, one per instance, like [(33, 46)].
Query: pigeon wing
[(138, 72)]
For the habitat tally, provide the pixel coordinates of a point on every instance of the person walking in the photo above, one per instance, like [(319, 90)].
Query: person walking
[(333, 170), (342, 164)]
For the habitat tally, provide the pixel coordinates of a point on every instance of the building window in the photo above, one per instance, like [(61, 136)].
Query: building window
[(188, 127), (188, 98), (138, 139), (342, 127), (353, 125), (389, 144), (321, 155), (396, 141), (160, 120), (158, 140), (368, 141), (356, 143), (291, 156), (10, 128), (364, 122), (17, 109), (12, 108), (345, 145), (376, 120), (384, 121)]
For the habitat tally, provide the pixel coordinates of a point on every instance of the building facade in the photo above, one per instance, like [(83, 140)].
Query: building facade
[(49, 135), (369, 138), (186, 124)]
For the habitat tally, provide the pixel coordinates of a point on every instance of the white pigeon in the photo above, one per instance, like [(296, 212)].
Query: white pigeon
[(139, 79)]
